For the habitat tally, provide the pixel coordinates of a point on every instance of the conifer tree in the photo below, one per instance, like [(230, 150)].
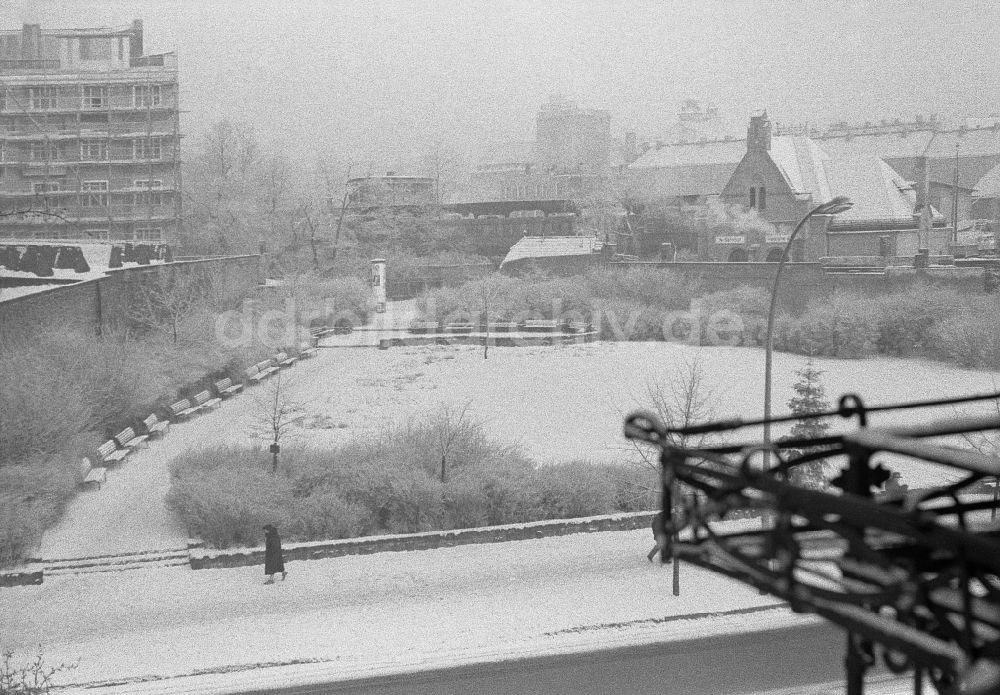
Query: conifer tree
[(809, 398)]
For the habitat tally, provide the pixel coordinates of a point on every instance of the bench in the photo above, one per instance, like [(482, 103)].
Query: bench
[(307, 350), (182, 410), (155, 427), (423, 327), (319, 331), (89, 474), (284, 360), (128, 439), (226, 388), (501, 326), (541, 325), (266, 367), (110, 453), (204, 400), (260, 371)]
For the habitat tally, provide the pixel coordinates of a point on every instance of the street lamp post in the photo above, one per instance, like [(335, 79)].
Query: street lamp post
[(832, 207)]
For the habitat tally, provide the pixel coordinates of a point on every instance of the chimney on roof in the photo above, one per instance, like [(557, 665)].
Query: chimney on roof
[(759, 133), (135, 40), (31, 42)]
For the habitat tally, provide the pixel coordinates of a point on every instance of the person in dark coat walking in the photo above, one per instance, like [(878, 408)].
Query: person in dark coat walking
[(274, 561), (659, 538)]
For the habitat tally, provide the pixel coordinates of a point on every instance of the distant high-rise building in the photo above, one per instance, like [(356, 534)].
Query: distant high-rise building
[(89, 136), (569, 139)]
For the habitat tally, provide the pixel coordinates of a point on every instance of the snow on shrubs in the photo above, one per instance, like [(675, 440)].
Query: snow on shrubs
[(382, 484)]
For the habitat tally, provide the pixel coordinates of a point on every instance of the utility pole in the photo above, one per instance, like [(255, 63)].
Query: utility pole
[(954, 200)]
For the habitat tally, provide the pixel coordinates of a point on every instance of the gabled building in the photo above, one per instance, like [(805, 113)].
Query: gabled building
[(780, 178), (89, 136), (684, 173), (986, 198)]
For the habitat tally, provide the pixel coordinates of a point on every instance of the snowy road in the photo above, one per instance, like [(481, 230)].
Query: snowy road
[(801, 659)]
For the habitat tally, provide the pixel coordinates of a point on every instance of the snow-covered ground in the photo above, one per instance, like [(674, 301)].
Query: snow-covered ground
[(363, 615), (381, 613)]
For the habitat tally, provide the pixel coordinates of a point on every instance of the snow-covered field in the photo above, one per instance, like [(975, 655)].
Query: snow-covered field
[(568, 402)]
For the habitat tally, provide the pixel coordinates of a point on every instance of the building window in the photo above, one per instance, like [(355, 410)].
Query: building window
[(753, 197), (95, 194), (146, 148), (762, 198), (146, 95), (153, 234), (151, 196), (95, 97), (93, 151), (43, 97), (44, 152), (42, 187)]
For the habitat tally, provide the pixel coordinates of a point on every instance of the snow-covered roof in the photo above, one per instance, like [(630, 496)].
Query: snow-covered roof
[(802, 162), (551, 246), (989, 185), (876, 189), (695, 153)]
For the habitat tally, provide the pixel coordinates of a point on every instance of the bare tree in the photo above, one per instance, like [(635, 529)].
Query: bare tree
[(162, 300), (988, 443), (222, 183), (452, 424), (682, 398), (445, 166), (277, 411), (489, 292), (345, 198)]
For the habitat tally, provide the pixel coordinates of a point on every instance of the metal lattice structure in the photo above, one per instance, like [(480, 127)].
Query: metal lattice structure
[(914, 578)]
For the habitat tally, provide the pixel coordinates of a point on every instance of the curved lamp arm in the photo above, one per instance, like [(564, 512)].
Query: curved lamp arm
[(831, 207)]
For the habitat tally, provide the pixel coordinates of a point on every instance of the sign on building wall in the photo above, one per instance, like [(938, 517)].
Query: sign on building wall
[(777, 238), (730, 240)]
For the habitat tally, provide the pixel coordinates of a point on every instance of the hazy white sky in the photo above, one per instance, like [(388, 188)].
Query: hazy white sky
[(381, 81)]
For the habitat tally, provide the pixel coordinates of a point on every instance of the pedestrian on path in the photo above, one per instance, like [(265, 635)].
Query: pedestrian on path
[(274, 561), (658, 537)]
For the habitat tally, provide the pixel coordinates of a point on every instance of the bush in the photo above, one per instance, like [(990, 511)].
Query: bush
[(970, 336), (33, 678), (384, 484), (750, 304), (33, 494), (574, 489), (907, 321), (224, 496), (843, 325)]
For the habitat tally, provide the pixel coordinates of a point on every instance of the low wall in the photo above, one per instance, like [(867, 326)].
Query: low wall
[(101, 304), (202, 558), (802, 282), (20, 578)]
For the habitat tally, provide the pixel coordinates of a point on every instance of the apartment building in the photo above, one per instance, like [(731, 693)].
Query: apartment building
[(89, 136)]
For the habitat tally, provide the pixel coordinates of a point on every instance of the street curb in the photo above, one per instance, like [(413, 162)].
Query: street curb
[(204, 558)]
